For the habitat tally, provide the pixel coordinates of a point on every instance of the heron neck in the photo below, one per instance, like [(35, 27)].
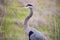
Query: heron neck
[(27, 19)]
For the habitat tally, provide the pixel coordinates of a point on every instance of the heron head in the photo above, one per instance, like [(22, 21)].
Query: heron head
[(29, 5)]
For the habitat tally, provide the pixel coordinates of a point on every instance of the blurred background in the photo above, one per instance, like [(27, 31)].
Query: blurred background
[(46, 18)]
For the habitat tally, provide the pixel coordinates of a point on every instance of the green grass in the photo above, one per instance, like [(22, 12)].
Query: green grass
[(10, 30)]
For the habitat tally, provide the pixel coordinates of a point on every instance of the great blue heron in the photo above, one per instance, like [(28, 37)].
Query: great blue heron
[(32, 33)]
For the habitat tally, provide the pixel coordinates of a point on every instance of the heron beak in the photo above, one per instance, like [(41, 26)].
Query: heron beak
[(20, 6)]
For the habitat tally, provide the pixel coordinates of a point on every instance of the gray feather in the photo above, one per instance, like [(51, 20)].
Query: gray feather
[(37, 35)]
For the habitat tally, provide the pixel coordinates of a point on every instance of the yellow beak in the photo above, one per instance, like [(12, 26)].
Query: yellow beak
[(20, 6)]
